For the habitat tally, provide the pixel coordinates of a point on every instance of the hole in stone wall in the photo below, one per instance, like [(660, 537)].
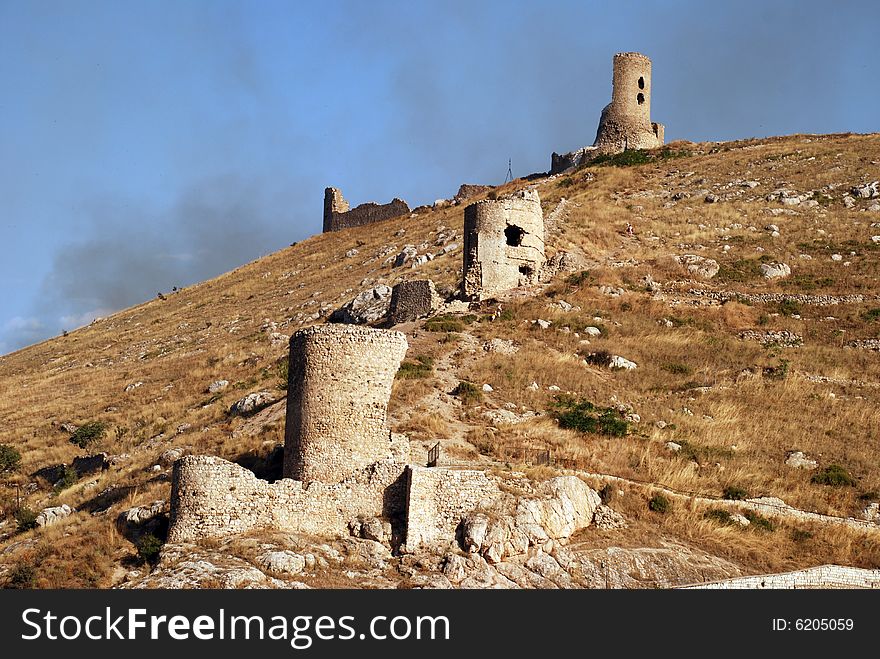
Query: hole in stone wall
[(640, 98), (641, 83), (514, 235), (525, 270)]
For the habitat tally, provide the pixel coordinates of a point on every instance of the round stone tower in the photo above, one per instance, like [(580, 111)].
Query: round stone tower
[(626, 121), (339, 383), (503, 244)]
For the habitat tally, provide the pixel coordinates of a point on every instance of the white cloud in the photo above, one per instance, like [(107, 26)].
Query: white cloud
[(74, 321)]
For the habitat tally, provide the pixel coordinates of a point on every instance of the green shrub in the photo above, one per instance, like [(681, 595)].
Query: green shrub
[(468, 392), (598, 358), (282, 371), (148, 548), (735, 493), (700, 452), (719, 515), (583, 416), (659, 504), (759, 522), (22, 576), (422, 367), (834, 475), (627, 158), (799, 535), (779, 372), (869, 496), (741, 270), (10, 458), (578, 278), (25, 518), (677, 368), (88, 434), (68, 478), (789, 308), (444, 323), (872, 314)]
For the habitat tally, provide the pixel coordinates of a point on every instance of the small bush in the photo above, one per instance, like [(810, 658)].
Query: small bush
[(578, 278), (444, 323), (88, 434), (422, 367), (779, 372), (468, 393), (789, 308), (68, 479), (627, 158), (583, 416), (701, 452), (721, 516), (25, 518), (677, 368), (872, 314), (148, 547), (834, 475), (22, 576), (598, 358), (282, 369), (869, 496), (659, 504), (799, 535), (741, 270), (759, 522), (10, 458), (735, 493)]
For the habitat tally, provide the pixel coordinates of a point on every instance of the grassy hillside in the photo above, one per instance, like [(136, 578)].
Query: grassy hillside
[(735, 406)]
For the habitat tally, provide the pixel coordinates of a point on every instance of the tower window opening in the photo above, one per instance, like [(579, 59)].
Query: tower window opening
[(641, 83), (514, 235), (640, 98)]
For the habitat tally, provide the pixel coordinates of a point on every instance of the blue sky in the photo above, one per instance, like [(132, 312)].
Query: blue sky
[(145, 145)]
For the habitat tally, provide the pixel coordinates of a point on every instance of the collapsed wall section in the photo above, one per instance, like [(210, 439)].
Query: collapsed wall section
[(339, 383), (503, 244), (413, 299), (212, 498), (338, 215)]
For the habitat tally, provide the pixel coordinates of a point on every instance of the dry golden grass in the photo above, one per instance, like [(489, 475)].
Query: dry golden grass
[(177, 346)]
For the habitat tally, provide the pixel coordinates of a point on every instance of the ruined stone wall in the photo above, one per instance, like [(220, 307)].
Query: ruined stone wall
[(339, 383), (211, 498), (437, 499), (337, 214), (468, 190), (411, 300), (626, 121), (824, 576), (503, 244)]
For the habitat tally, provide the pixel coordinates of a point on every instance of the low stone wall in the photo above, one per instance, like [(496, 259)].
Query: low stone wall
[(437, 499), (211, 497), (824, 576), (411, 300)]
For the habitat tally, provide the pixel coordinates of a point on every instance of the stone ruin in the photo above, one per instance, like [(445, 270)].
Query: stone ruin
[(625, 123), (503, 244), (344, 469), (413, 299), (338, 215), (340, 461)]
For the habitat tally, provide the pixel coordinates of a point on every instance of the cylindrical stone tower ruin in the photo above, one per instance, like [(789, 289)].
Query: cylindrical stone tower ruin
[(626, 121), (503, 244), (339, 383)]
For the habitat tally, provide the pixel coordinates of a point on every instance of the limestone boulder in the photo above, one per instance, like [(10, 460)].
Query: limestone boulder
[(775, 270), (798, 460), (251, 403), (217, 386), (282, 562), (370, 306), (53, 515), (699, 266)]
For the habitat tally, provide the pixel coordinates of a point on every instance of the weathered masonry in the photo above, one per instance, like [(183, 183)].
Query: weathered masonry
[(413, 299), (338, 215), (503, 244), (626, 121)]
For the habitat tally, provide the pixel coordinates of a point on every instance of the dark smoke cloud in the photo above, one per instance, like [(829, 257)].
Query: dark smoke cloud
[(127, 254)]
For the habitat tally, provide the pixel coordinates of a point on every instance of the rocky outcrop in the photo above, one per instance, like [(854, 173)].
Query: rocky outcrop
[(509, 527), (370, 306)]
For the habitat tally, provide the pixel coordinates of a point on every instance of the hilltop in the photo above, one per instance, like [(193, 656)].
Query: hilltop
[(742, 382)]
